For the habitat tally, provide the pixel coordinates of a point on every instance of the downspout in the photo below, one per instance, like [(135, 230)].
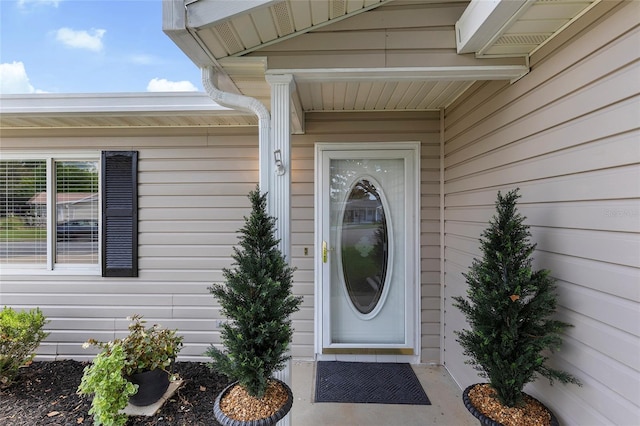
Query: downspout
[(247, 104)]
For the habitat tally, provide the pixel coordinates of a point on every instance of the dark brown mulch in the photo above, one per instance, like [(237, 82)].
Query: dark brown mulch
[(44, 393)]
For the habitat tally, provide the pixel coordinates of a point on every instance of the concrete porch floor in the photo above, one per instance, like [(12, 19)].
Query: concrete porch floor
[(446, 403)]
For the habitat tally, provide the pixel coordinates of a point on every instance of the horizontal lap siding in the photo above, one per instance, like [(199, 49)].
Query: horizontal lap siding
[(302, 238), (192, 199), (368, 128), (394, 35), (567, 135)]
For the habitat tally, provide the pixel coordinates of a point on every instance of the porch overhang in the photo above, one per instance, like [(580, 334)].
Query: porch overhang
[(514, 27), (246, 41), (482, 21), (452, 73), (117, 110)]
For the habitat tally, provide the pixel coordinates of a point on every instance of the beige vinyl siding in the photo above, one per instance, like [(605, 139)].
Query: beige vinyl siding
[(567, 135), (192, 199), (368, 128), (394, 35)]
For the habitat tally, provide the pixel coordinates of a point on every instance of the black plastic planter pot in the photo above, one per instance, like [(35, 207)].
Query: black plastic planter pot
[(151, 386), (484, 420), (269, 421)]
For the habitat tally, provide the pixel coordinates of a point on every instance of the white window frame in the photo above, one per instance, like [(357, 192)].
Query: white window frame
[(51, 267)]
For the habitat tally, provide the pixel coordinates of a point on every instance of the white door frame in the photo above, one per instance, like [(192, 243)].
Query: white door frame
[(413, 251)]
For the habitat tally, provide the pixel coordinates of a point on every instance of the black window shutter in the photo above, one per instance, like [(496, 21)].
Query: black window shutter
[(119, 213)]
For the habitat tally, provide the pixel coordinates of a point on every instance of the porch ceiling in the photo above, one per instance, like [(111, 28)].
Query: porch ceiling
[(507, 27), (225, 34), (247, 40)]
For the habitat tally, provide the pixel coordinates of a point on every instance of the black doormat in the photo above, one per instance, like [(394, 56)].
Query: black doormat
[(368, 383)]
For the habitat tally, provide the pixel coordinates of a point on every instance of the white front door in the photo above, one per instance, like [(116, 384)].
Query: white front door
[(368, 235)]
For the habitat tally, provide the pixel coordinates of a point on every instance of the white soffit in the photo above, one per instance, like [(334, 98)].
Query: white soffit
[(390, 89), (453, 73), (482, 19), (221, 33), (514, 27), (263, 22), (203, 13), (117, 110)]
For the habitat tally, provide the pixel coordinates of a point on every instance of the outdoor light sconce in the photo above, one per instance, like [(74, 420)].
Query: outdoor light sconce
[(277, 157)]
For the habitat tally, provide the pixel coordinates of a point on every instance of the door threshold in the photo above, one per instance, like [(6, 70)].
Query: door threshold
[(368, 351)]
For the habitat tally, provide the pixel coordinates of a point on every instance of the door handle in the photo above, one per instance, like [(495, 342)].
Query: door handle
[(325, 251)]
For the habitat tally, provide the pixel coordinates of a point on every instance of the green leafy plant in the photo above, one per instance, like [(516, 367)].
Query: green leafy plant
[(111, 390), (20, 335), (143, 349), (257, 299), (509, 309)]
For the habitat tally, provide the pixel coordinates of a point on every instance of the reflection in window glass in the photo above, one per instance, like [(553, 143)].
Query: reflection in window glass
[(76, 212), (23, 212), (364, 246)]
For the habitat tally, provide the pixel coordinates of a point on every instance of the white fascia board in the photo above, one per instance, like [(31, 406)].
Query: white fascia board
[(174, 25), (483, 20), (205, 13), (110, 103), (459, 73)]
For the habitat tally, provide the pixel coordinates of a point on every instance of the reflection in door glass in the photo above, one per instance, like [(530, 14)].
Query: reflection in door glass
[(364, 246)]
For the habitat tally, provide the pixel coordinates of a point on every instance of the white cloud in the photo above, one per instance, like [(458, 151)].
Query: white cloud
[(24, 3), (81, 39), (14, 79), (142, 59), (163, 85)]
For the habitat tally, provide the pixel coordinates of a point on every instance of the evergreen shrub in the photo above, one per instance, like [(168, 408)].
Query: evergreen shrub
[(20, 335), (510, 308), (258, 301)]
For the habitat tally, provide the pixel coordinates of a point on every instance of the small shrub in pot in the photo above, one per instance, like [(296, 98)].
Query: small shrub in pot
[(144, 349)]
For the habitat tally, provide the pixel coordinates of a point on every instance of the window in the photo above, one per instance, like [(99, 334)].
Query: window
[(54, 212)]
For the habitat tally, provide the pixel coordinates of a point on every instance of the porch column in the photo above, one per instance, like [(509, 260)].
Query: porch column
[(279, 186), (279, 197)]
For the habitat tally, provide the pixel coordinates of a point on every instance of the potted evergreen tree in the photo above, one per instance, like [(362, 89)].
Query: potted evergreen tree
[(509, 310), (258, 302)]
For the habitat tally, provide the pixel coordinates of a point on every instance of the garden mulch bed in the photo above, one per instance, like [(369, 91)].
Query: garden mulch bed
[(44, 393)]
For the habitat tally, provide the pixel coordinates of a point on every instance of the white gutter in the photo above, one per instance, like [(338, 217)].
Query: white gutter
[(247, 104), (178, 103), (266, 166)]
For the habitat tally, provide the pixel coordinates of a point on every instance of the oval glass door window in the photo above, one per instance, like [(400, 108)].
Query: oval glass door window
[(364, 246)]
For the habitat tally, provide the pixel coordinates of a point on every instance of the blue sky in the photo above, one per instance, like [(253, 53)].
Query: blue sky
[(89, 46)]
